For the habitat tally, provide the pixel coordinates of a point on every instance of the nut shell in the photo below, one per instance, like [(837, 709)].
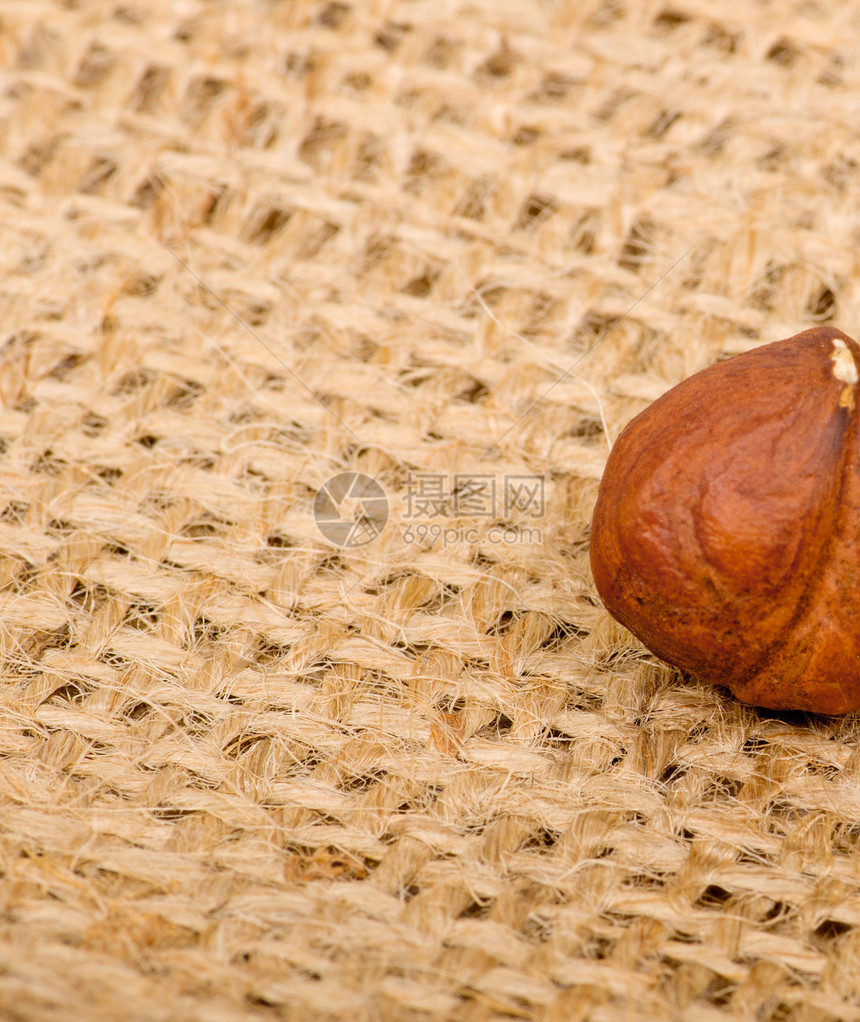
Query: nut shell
[(726, 534)]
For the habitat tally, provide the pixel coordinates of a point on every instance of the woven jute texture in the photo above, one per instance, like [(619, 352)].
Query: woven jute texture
[(252, 767)]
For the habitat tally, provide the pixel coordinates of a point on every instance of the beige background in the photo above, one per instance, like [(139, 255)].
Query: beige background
[(246, 246)]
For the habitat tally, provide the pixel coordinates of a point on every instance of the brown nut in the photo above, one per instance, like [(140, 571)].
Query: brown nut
[(726, 534)]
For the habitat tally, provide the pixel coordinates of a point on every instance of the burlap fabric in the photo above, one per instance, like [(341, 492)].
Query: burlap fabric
[(251, 772)]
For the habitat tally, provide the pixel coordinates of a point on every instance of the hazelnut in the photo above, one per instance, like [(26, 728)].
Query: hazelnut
[(726, 534)]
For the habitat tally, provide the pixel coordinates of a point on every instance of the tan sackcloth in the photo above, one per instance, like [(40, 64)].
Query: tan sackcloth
[(246, 773)]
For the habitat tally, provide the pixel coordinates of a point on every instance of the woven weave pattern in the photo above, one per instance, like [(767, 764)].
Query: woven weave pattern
[(248, 773)]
